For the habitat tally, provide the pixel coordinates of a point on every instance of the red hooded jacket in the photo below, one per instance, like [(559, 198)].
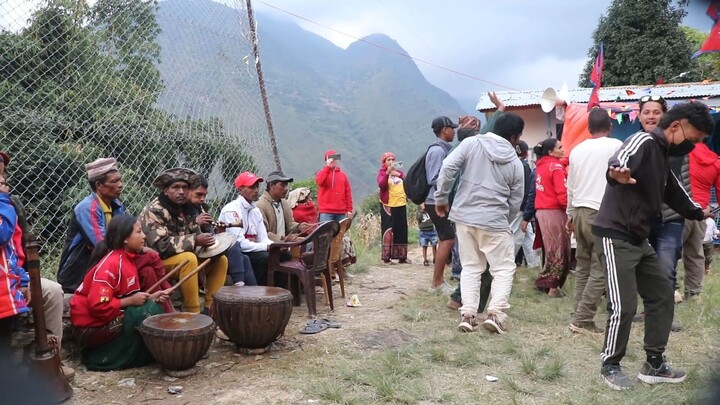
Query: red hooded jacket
[(334, 193), (550, 184), (704, 173)]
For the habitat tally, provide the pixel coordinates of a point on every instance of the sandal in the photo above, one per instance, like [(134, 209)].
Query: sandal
[(326, 321), (313, 327), (426, 263)]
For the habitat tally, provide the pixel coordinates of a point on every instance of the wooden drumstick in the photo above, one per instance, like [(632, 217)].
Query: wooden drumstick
[(167, 276), (187, 277)]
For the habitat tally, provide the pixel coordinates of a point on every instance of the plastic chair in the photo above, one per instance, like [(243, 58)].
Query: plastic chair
[(306, 267)]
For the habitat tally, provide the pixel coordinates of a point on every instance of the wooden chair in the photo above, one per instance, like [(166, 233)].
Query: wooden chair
[(335, 262), (306, 267)]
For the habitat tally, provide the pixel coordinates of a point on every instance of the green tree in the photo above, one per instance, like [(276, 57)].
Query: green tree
[(708, 64), (82, 82), (643, 44)]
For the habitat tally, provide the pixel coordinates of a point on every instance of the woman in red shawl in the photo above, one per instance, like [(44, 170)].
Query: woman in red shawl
[(393, 213)]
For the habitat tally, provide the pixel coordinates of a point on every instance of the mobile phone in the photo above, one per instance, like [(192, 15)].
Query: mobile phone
[(334, 157), (398, 164)]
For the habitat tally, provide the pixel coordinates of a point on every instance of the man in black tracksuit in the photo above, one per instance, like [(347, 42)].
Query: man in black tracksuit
[(639, 181)]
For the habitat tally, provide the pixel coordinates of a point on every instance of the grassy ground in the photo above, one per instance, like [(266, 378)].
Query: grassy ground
[(538, 361), (402, 346)]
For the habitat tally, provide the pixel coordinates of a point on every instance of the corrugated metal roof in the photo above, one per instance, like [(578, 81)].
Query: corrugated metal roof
[(620, 93)]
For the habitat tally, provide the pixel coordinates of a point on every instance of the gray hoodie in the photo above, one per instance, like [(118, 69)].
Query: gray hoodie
[(491, 185)]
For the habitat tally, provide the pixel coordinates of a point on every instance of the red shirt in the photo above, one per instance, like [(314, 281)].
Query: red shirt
[(704, 173), (97, 300), (550, 184)]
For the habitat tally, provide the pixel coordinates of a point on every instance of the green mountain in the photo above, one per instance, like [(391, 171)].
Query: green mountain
[(361, 101)]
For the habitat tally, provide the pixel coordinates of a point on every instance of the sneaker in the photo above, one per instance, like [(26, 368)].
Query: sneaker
[(587, 328), (493, 324), (678, 297), (455, 278), (615, 378), (443, 288), (663, 374), (426, 263), (675, 327), (639, 317), (68, 372), (467, 324), (454, 305)]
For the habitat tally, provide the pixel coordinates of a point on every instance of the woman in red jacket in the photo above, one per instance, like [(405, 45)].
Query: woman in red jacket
[(108, 305), (550, 203), (393, 212)]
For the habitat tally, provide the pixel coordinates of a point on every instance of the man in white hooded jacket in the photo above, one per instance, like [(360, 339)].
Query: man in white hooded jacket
[(488, 196)]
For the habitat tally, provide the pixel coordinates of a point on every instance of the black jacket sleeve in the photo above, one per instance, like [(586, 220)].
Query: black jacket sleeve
[(630, 155), (678, 199), (529, 211)]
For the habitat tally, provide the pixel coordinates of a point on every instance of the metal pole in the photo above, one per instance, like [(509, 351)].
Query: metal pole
[(261, 81)]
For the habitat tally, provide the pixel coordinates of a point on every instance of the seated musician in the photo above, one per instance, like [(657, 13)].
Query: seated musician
[(87, 227), (52, 294), (14, 280), (239, 265), (252, 236), (170, 223), (276, 211), (109, 304)]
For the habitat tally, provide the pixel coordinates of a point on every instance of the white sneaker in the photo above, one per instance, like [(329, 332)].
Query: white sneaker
[(678, 297), (239, 284), (443, 288)]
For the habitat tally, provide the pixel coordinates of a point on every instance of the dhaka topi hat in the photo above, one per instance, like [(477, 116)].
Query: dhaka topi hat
[(100, 167)]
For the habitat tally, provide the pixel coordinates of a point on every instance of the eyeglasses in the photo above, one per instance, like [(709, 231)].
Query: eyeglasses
[(645, 99)]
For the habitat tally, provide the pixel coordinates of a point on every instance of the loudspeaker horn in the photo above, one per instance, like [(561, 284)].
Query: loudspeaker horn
[(548, 100)]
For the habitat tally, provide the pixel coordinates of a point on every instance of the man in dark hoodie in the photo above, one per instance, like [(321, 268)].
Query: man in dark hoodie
[(639, 181), (334, 192)]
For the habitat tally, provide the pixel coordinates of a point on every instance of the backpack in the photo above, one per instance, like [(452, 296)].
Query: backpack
[(415, 183)]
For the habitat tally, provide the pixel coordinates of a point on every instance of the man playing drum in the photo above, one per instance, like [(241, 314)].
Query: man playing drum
[(170, 223)]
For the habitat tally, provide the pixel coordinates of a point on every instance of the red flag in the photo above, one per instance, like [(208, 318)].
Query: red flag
[(712, 43), (596, 78)]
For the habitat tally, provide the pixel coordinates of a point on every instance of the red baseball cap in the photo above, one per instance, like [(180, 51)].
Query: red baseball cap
[(246, 179), (5, 158)]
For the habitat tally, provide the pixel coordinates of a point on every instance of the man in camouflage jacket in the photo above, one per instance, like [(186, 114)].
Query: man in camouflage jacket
[(169, 223)]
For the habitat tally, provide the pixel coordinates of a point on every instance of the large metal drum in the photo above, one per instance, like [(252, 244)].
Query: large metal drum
[(252, 316), (178, 340)]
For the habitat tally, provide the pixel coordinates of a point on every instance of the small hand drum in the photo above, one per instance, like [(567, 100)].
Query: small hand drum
[(252, 316), (178, 340)]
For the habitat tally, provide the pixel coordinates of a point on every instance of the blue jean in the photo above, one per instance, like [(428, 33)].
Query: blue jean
[(324, 217), (666, 239), (239, 266)]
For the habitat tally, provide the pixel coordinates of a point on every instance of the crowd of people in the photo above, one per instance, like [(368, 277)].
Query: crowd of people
[(115, 263), (634, 208)]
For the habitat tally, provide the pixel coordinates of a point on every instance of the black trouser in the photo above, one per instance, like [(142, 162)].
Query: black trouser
[(632, 270), (259, 261)]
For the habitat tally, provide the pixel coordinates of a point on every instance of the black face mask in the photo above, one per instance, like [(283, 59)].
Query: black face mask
[(683, 148)]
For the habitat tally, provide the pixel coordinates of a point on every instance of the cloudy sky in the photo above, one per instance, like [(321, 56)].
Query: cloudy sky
[(519, 44)]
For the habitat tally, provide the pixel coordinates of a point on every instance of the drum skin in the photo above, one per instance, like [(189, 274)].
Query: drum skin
[(252, 316), (178, 340)]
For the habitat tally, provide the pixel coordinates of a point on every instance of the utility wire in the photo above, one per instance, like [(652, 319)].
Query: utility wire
[(388, 49)]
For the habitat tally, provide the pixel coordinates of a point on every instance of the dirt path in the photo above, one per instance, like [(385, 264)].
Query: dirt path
[(227, 377)]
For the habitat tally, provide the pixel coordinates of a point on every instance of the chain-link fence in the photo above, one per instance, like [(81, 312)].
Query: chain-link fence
[(155, 85)]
